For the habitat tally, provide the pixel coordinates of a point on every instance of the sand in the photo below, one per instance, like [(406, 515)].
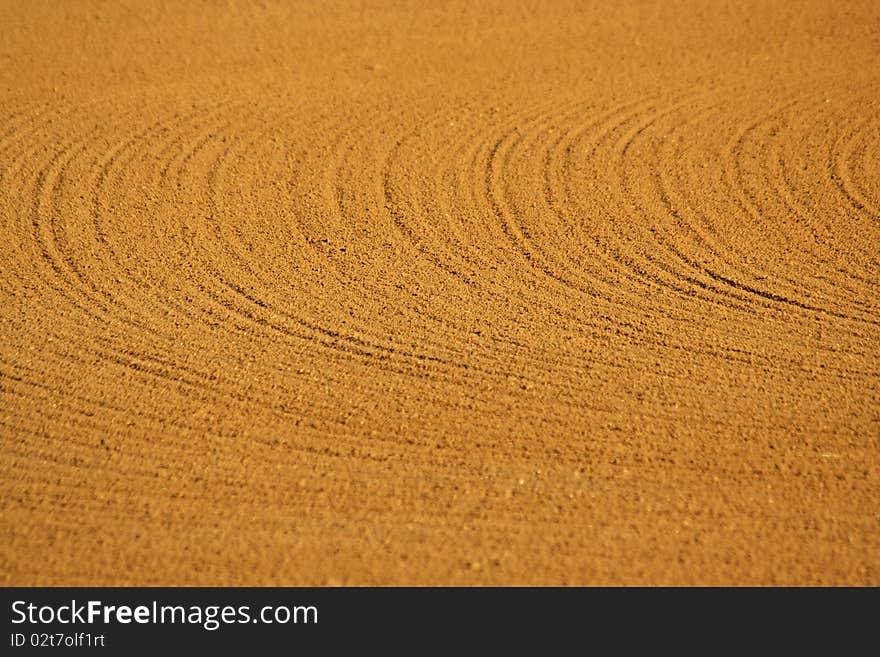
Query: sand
[(440, 293)]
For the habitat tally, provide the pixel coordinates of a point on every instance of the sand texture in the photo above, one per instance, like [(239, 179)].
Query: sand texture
[(439, 293)]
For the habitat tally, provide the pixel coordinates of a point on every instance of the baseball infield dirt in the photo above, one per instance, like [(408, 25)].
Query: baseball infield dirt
[(440, 293)]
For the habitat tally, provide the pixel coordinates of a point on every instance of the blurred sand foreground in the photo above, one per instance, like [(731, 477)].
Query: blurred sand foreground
[(439, 293)]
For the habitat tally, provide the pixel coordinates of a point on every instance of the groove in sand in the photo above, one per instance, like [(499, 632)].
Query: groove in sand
[(521, 293)]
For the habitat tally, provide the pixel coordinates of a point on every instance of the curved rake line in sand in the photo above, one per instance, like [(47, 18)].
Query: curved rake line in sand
[(255, 301), (185, 159), (259, 302), (643, 301), (366, 344), (569, 289), (611, 257), (851, 158), (59, 269), (578, 320), (24, 139), (753, 203), (477, 261), (46, 202), (639, 266), (44, 236), (564, 142), (712, 292), (334, 339), (718, 278), (470, 258), (428, 234), (138, 363), (187, 156), (679, 200), (595, 274), (813, 214)]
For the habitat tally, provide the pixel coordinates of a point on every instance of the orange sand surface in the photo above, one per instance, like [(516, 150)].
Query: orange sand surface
[(439, 293)]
